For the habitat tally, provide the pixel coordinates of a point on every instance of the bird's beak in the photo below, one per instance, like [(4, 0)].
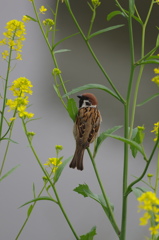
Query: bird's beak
[(79, 96)]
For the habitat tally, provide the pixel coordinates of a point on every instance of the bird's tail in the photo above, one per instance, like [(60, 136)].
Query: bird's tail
[(77, 160)]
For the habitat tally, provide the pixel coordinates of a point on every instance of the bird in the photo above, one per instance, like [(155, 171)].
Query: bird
[(86, 127)]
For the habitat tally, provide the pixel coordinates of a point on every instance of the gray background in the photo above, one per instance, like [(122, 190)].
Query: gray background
[(55, 127)]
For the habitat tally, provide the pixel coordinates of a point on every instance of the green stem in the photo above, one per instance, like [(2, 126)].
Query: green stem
[(157, 174), (64, 213), (6, 151), (27, 218), (92, 52), (51, 50), (111, 215), (141, 69), (126, 134), (129, 189), (49, 180), (92, 21), (5, 91)]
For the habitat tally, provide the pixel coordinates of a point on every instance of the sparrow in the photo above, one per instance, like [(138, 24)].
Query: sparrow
[(86, 127)]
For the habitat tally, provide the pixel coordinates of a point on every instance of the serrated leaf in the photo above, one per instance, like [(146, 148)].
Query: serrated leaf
[(39, 199), (113, 14), (72, 108), (147, 100), (92, 86), (60, 169), (33, 19), (9, 172), (138, 191), (62, 50), (90, 235), (103, 136), (105, 30), (29, 210)]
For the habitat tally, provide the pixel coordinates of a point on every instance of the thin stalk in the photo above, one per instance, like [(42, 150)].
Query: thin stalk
[(92, 52), (5, 92), (157, 174), (33, 205), (64, 213), (141, 69), (92, 21), (126, 134), (129, 189), (111, 215), (51, 50), (49, 180), (6, 151)]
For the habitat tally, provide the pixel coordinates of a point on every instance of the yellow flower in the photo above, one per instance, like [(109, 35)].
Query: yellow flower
[(156, 70), (25, 19), (53, 163), (58, 147), (145, 218), (14, 35), (42, 9), (19, 56), (20, 87), (154, 229), (5, 54), (12, 119), (155, 130)]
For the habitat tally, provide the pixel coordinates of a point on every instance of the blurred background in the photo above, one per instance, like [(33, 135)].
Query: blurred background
[(55, 127)]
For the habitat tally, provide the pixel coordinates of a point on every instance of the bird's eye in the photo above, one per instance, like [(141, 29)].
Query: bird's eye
[(88, 103)]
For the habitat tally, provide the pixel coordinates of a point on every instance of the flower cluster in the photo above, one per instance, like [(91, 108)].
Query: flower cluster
[(55, 162), (56, 71), (96, 3), (150, 203), (20, 88), (49, 23), (156, 78), (156, 130), (14, 36)]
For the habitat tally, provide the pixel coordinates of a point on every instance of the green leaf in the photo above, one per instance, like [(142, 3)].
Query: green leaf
[(62, 40), (72, 108), (84, 190), (103, 136), (113, 14), (148, 61), (60, 169), (39, 199), (128, 141), (29, 210), (138, 191), (105, 30), (132, 6), (9, 139), (138, 137), (33, 19), (90, 235), (147, 100), (8, 173), (34, 192), (157, 41), (62, 50), (92, 86)]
